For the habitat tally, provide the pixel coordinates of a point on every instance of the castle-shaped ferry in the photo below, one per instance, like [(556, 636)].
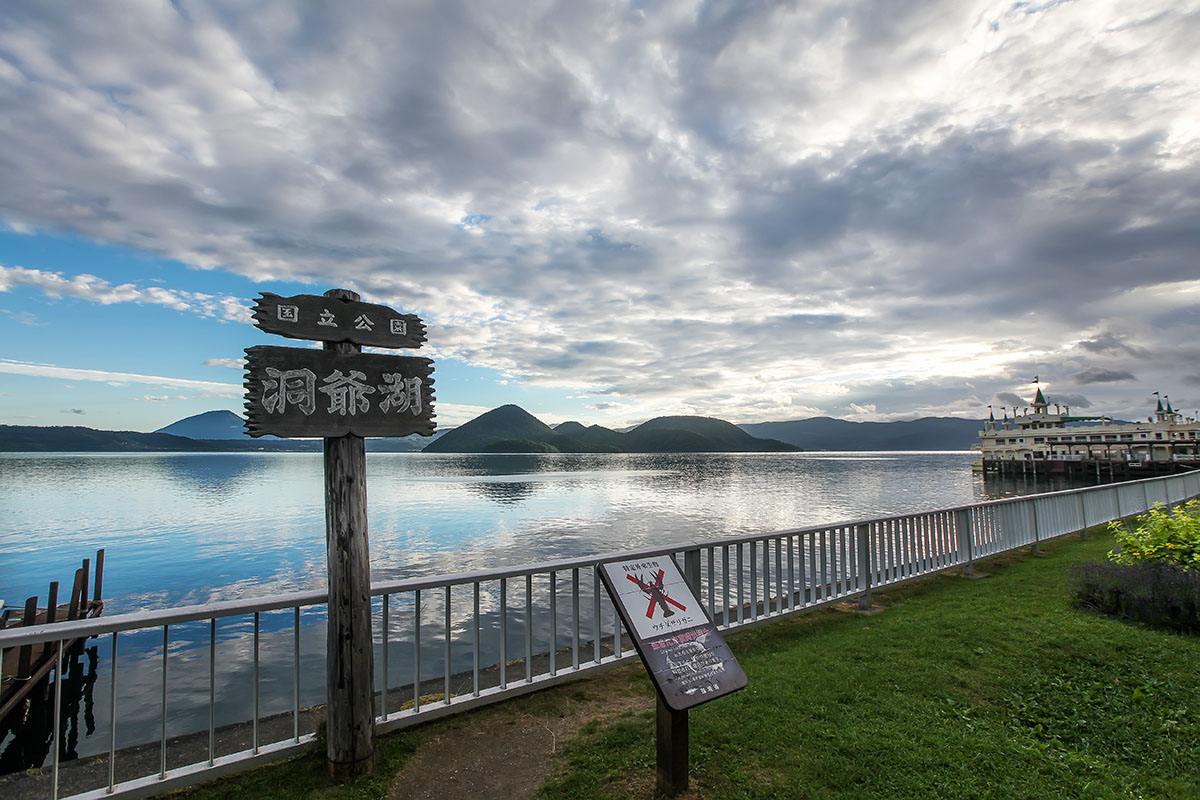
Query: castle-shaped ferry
[(1037, 440)]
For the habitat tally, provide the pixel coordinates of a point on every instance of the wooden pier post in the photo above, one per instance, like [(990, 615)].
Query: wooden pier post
[(349, 710)]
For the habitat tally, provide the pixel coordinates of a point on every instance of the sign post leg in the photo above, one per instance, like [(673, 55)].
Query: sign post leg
[(672, 745), (349, 711)]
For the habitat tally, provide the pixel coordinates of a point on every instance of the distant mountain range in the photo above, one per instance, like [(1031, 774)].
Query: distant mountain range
[(512, 429), (826, 433), (212, 431)]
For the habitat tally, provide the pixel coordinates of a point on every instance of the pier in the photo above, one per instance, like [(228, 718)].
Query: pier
[(25, 668)]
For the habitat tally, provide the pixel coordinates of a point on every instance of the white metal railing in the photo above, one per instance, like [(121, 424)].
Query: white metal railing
[(451, 642)]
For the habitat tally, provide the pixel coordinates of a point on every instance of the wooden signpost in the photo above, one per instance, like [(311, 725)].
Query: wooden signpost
[(296, 392), (686, 656), (341, 395), (337, 318)]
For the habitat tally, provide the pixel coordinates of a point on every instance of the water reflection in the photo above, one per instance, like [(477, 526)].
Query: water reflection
[(504, 492), (190, 528), (27, 734), (204, 527)]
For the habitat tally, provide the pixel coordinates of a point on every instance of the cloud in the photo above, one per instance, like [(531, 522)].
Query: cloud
[(22, 317), (231, 363), (1098, 375), (162, 398), (1012, 400), (723, 210), (203, 388), (78, 411), (1073, 400), (97, 290)]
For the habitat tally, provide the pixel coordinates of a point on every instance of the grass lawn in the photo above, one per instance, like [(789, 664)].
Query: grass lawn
[(960, 689)]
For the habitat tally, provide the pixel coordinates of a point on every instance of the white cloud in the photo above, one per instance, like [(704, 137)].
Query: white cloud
[(97, 290), (204, 388), (231, 363), (721, 209)]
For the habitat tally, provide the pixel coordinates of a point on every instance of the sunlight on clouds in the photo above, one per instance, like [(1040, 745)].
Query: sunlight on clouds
[(730, 209)]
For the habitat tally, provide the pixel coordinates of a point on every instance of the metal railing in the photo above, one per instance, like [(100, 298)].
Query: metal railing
[(451, 642)]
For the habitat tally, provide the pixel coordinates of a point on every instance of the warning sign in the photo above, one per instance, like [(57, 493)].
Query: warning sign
[(682, 650)]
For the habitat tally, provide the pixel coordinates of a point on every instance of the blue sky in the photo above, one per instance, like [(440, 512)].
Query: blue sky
[(48, 335), (609, 211)]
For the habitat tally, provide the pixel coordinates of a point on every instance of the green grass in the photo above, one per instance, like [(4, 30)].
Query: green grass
[(993, 688), (305, 777)]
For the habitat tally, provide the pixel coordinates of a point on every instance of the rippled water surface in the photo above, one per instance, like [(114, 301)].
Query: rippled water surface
[(196, 527), (182, 529)]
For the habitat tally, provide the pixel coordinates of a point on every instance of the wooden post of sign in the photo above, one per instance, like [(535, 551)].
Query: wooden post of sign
[(671, 738), (349, 710)]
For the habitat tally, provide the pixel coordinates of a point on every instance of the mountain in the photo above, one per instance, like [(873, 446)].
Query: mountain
[(570, 428), (512, 429), (826, 433), (77, 439), (698, 435), (510, 425), (209, 425), (72, 439)]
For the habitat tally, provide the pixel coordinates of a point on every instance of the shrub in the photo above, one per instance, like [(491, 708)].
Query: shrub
[(1170, 536), (1153, 592)]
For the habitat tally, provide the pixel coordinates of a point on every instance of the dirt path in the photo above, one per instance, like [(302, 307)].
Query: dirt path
[(508, 751)]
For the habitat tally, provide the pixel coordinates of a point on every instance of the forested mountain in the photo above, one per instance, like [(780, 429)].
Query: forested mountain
[(512, 429)]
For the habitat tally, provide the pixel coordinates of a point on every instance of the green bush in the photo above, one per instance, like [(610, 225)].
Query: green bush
[(1161, 535)]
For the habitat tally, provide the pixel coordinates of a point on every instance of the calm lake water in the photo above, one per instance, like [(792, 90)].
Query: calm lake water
[(191, 528)]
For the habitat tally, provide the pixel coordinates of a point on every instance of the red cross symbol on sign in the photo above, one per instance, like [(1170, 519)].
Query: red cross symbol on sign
[(658, 595)]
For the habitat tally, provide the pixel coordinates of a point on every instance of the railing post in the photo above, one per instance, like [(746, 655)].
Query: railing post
[(691, 569), (1034, 549), (966, 547), (862, 533), (1082, 516)]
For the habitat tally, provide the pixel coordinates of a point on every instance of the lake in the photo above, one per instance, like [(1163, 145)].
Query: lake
[(191, 528)]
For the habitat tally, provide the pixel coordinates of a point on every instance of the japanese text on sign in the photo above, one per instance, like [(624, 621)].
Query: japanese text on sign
[(297, 392)]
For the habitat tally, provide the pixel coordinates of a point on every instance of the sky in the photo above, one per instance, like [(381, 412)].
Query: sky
[(608, 211)]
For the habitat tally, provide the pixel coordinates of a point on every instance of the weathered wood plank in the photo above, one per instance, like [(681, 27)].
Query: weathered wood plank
[(350, 682), (297, 392), (337, 319)]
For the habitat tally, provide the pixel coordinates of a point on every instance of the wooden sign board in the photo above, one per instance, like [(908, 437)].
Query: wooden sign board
[(685, 654), (327, 319), (296, 392)]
